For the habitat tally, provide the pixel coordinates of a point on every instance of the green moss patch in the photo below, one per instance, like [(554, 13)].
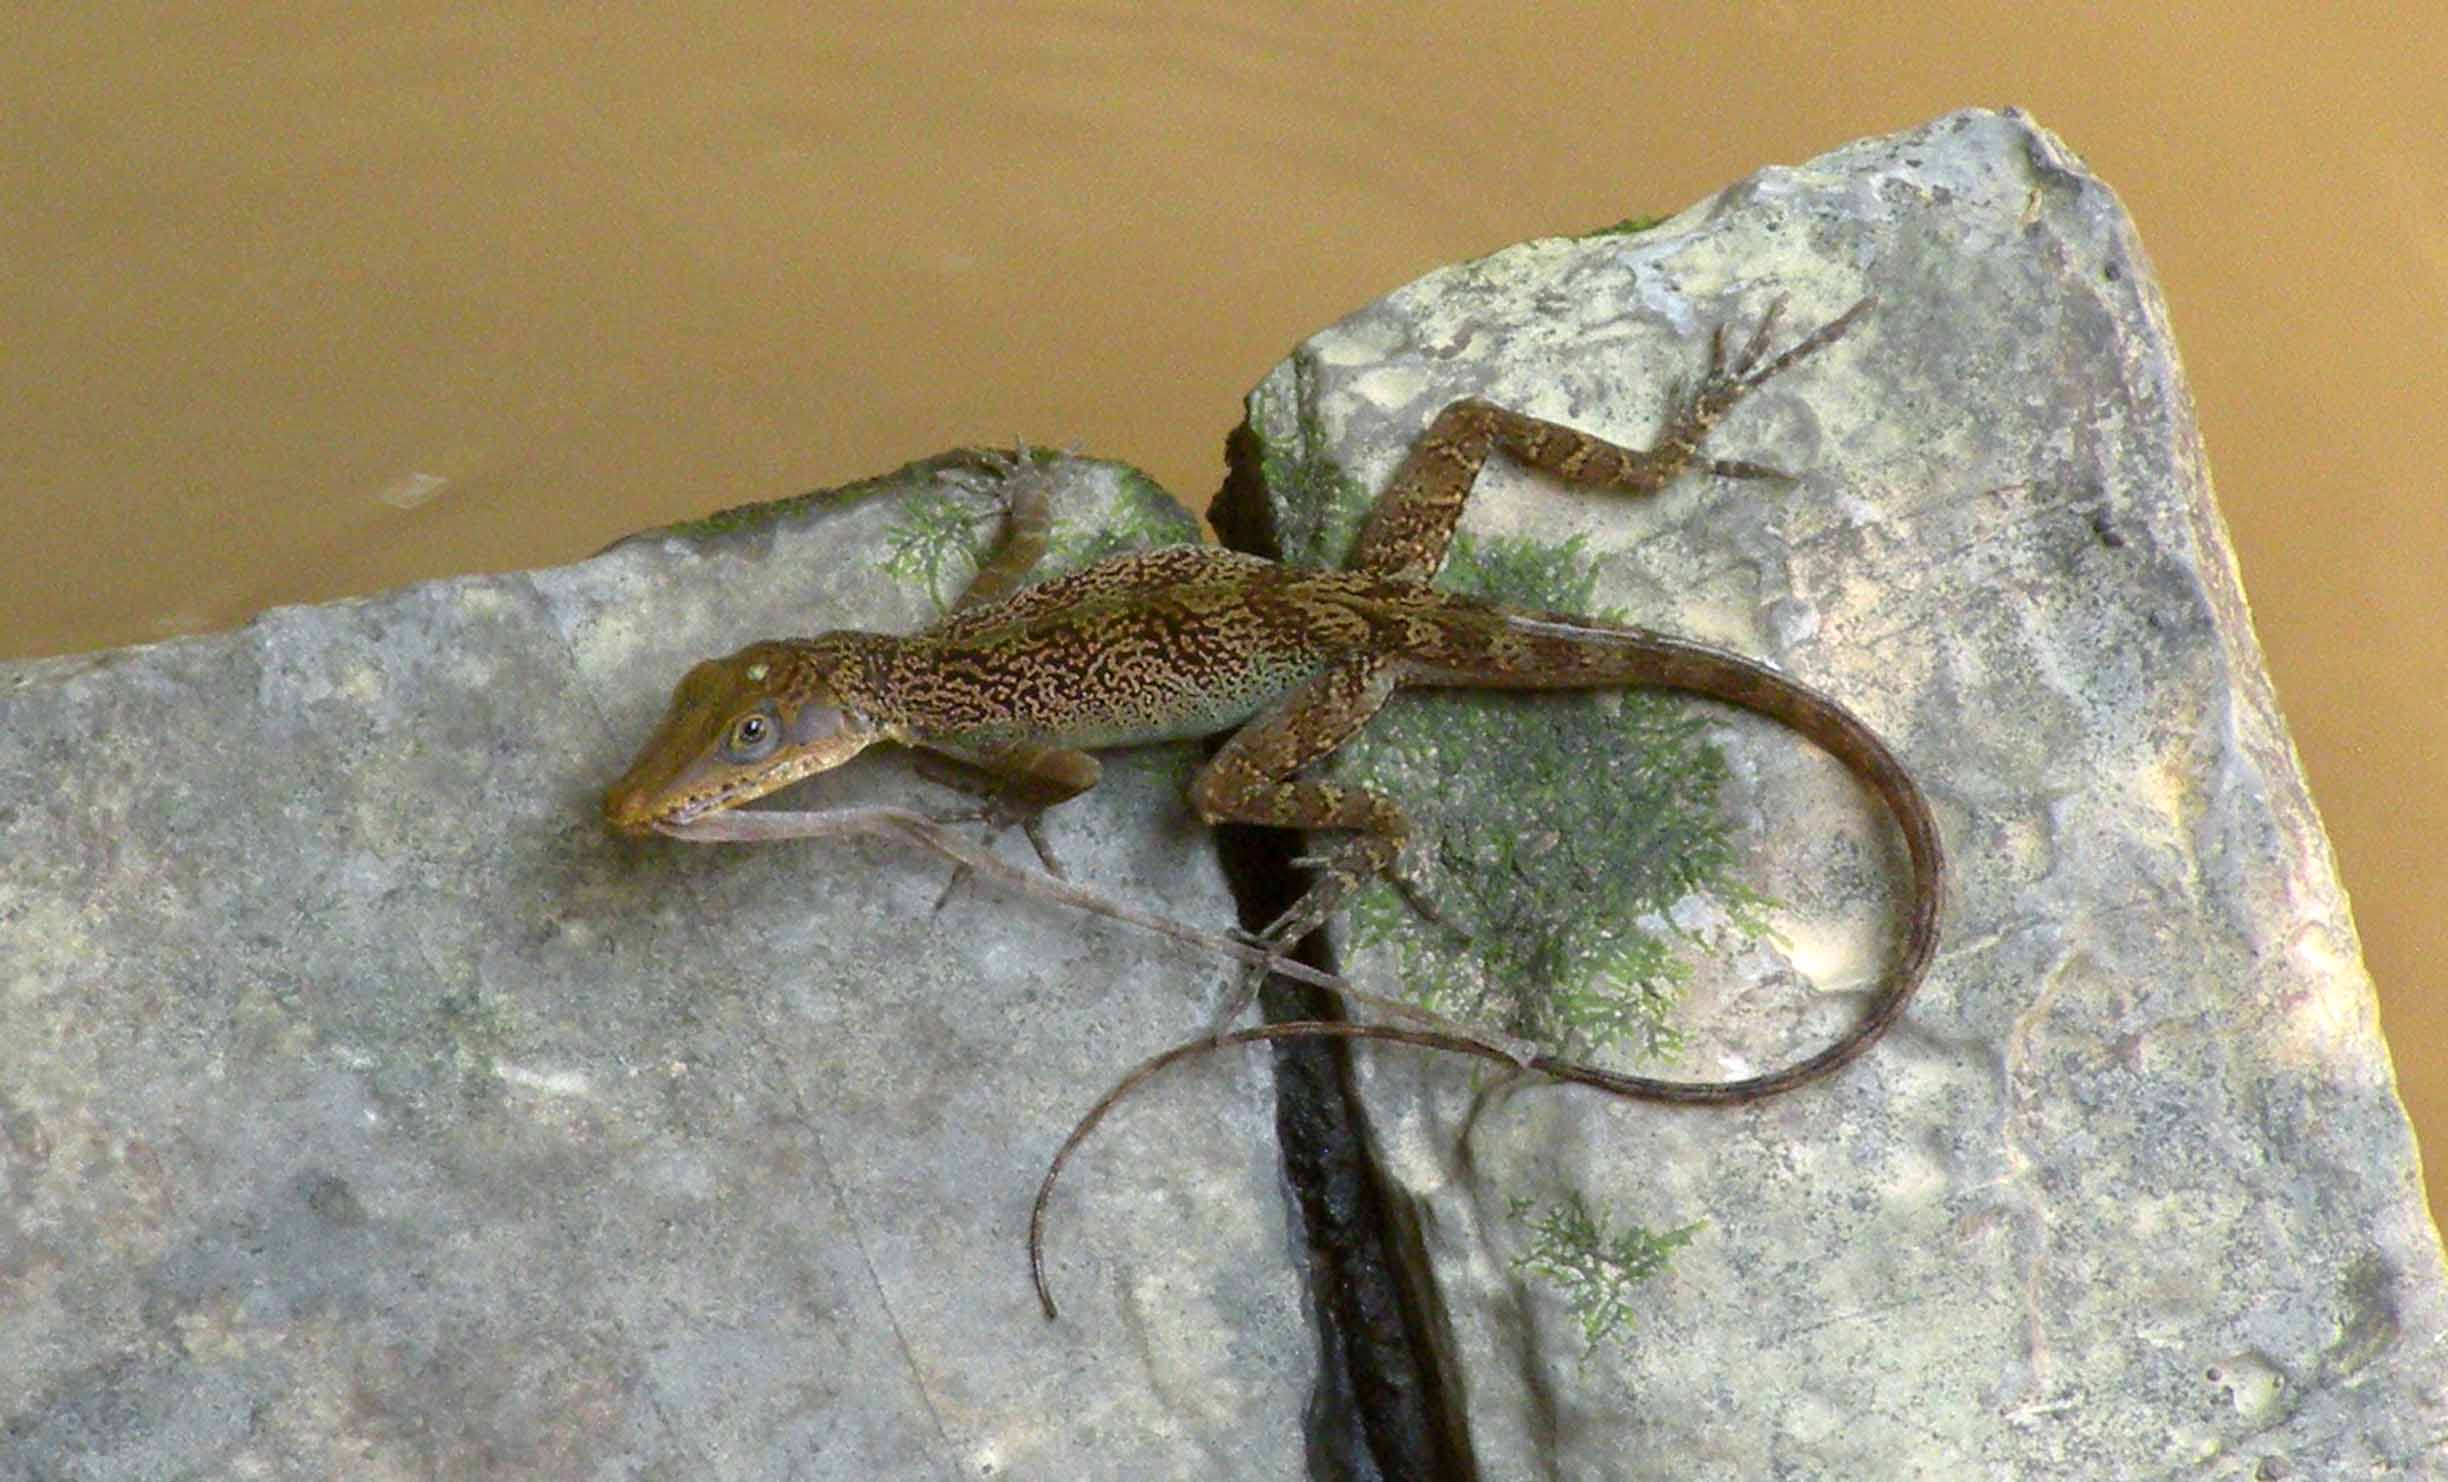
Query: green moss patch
[(1556, 831)]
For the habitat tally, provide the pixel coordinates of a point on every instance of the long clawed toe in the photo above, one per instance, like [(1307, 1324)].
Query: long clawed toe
[(1739, 371), (1033, 828), (1732, 376), (1751, 366), (1743, 468), (1244, 990), (995, 474), (1752, 373)]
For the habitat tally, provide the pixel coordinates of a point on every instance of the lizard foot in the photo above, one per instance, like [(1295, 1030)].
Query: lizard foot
[(1001, 477), (1343, 867), (990, 472), (1406, 884), (998, 816), (1730, 379), (1245, 988)]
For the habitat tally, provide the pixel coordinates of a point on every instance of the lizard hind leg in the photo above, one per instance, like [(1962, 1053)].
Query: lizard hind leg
[(1250, 780), (1413, 524)]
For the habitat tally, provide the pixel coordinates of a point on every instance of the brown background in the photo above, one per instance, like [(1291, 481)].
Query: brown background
[(301, 307)]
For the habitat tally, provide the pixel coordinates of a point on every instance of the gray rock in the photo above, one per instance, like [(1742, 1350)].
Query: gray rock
[(366, 1110), (2129, 1193)]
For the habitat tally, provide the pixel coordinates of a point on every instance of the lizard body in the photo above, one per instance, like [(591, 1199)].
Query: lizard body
[(1194, 640)]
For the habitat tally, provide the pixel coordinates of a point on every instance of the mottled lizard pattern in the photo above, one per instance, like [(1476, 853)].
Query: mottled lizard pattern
[(1024, 682)]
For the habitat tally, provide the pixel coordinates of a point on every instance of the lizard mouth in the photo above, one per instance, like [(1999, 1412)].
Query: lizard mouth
[(684, 815), (632, 811), (640, 812), (701, 818), (691, 824), (657, 798)]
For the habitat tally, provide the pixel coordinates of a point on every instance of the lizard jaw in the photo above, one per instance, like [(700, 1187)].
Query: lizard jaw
[(711, 787)]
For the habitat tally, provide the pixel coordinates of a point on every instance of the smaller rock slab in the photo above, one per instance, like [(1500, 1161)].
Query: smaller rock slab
[(367, 1110)]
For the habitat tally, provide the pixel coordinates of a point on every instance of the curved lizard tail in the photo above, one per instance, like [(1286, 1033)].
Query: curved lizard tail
[(1567, 653)]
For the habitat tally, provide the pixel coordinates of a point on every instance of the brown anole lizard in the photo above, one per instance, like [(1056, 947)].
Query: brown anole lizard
[(1025, 682)]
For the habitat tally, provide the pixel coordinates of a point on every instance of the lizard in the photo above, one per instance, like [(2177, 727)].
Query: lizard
[(1024, 682)]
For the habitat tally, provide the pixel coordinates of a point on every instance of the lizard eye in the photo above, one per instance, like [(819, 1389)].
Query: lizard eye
[(753, 737)]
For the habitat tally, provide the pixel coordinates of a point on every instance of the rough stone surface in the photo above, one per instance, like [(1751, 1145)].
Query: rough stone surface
[(367, 1111), (2130, 1192)]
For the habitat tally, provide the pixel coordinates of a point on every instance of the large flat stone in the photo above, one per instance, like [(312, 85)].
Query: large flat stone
[(367, 1110), (2129, 1191)]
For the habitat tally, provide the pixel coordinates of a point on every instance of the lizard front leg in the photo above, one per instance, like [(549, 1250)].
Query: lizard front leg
[(1028, 524), (1250, 780), (1017, 781), (1408, 532)]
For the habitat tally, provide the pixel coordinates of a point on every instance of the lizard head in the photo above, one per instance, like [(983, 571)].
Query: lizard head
[(739, 728)]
